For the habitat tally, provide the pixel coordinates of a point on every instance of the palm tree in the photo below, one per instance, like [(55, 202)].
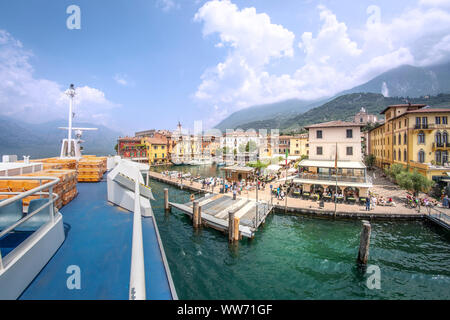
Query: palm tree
[(258, 165)]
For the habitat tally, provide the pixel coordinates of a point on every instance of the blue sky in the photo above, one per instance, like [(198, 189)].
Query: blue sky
[(145, 64)]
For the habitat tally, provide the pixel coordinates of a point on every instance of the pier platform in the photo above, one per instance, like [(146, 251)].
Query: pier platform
[(308, 207), (215, 210)]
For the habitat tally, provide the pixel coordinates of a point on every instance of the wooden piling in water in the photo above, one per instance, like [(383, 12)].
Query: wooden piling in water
[(199, 217), (364, 243), (195, 214), (236, 234), (166, 199), (231, 226)]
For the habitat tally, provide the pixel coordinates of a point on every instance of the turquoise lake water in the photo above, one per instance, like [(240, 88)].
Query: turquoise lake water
[(300, 257)]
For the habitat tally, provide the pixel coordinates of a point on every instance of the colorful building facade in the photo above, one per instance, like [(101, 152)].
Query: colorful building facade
[(299, 145), (413, 135)]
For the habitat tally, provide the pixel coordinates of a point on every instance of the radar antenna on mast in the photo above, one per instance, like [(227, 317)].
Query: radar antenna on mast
[(71, 148)]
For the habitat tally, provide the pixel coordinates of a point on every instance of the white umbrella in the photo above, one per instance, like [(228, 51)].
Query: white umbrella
[(273, 167)]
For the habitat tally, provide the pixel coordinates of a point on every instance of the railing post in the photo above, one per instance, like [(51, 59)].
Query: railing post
[(51, 209)]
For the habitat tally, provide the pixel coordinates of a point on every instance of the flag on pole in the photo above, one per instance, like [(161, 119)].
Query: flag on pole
[(335, 159)]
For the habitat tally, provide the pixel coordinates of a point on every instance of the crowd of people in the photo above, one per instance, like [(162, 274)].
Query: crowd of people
[(282, 191), (211, 183), (372, 201)]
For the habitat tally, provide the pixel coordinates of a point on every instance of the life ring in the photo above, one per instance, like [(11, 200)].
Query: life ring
[(192, 197)]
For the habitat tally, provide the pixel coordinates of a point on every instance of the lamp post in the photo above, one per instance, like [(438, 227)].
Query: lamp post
[(71, 94)]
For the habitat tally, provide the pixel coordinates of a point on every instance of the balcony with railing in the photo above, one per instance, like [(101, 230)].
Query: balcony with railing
[(422, 126), (440, 145), (332, 177)]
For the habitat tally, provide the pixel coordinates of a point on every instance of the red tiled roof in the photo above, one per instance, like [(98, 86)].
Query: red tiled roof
[(402, 106), (337, 123), (129, 139), (156, 140), (430, 110)]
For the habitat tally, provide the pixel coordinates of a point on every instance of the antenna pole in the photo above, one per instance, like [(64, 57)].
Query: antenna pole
[(70, 126), (71, 94)]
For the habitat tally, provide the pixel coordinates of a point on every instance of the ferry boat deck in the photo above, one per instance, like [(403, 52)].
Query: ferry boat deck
[(98, 239)]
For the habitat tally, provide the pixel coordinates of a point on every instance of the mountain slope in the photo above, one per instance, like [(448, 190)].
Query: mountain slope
[(343, 108), (404, 81), (44, 140), (408, 81), (280, 110)]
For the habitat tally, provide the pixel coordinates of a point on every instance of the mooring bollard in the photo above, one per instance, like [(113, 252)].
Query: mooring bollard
[(231, 226), (195, 214), (363, 254), (166, 199)]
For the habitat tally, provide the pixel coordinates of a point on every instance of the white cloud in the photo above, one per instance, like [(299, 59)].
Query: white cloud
[(123, 80), (39, 100), (120, 79), (253, 42), (435, 3), (333, 60), (167, 5)]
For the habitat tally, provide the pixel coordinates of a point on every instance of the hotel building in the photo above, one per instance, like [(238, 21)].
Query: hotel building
[(413, 135), (318, 173)]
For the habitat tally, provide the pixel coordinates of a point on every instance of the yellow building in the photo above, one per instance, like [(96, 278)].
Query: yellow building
[(414, 135), (299, 145), (157, 150)]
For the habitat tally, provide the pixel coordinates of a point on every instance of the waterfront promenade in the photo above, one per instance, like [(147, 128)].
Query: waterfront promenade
[(296, 205)]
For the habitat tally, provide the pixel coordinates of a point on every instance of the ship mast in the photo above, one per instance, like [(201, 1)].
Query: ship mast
[(71, 93), (67, 149)]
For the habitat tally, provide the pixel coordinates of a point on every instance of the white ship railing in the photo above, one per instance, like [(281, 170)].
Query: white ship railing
[(20, 195), (137, 273)]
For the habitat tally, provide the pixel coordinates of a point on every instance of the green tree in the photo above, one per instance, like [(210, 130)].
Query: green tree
[(258, 165), (369, 160), (414, 181), (116, 147), (395, 170), (251, 146)]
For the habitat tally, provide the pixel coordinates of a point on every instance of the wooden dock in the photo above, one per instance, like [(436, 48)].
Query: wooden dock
[(215, 209)]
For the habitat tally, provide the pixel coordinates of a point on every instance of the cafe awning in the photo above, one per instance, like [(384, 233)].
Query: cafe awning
[(331, 164), (273, 167)]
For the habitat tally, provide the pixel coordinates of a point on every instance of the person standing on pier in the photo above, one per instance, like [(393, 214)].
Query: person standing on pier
[(368, 203)]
